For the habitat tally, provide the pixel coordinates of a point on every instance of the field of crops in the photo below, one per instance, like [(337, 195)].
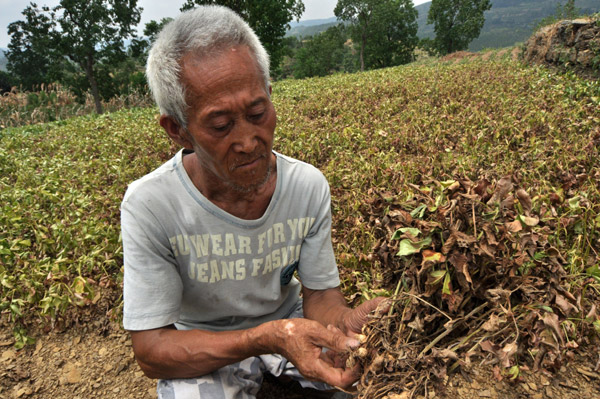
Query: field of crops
[(401, 141)]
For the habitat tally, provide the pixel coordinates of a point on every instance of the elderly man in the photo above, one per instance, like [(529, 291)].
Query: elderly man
[(213, 237)]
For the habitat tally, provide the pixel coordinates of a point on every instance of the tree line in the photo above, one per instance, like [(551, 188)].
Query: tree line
[(92, 45)]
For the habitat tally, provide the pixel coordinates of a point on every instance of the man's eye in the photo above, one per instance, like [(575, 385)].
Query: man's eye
[(256, 116), (222, 128)]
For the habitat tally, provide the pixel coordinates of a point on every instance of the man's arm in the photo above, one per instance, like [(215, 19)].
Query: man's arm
[(330, 307), (168, 353)]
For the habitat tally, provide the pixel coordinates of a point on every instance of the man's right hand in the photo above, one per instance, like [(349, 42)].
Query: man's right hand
[(301, 341)]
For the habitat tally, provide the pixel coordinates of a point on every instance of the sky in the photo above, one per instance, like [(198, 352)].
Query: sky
[(152, 10)]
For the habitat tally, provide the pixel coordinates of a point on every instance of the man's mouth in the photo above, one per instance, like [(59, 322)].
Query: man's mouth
[(248, 163)]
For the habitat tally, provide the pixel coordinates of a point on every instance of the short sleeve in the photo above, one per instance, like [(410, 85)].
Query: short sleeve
[(152, 286), (318, 269)]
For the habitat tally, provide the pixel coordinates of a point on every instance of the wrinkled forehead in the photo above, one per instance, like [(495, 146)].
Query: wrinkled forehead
[(224, 70)]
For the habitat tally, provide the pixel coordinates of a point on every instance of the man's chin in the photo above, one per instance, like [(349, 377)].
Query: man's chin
[(251, 183)]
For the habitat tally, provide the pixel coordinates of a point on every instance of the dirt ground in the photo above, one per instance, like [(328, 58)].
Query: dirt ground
[(81, 363)]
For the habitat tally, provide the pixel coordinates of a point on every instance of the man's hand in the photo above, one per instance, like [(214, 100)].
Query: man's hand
[(301, 342), (355, 319), (329, 308)]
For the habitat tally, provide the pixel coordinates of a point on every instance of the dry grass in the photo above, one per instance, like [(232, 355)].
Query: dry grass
[(54, 102)]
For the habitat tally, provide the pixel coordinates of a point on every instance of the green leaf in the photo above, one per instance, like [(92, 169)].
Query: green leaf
[(447, 183), (593, 271), (514, 372), (419, 211), (437, 276), (413, 231), (407, 247), (446, 288), (574, 203), (15, 309)]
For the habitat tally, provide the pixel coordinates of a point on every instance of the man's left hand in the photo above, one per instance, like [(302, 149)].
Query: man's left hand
[(355, 319)]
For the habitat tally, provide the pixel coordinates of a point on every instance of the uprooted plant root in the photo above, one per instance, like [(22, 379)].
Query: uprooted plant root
[(480, 271)]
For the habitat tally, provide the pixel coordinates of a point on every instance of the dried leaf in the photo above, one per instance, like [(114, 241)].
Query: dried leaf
[(514, 227), (497, 294), (507, 352), (525, 200), (459, 261), (491, 238), (497, 373), (592, 313), (503, 187), (565, 306), (417, 324), (453, 300), (462, 239), (493, 324), (488, 346), (547, 337), (481, 187), (432, 256), (448, 244), (551, 321), (529, 221), (445, 354)]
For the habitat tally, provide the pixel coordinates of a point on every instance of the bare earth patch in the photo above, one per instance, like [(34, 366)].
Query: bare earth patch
[(84, 364)]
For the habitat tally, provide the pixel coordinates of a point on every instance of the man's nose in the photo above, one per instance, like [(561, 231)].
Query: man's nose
[(245, 137)]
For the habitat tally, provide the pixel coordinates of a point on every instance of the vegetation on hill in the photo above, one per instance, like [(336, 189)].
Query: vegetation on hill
[(54, 102), (77, 42), (392, 142)]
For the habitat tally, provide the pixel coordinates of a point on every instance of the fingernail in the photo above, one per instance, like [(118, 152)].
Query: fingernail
[(352, 343)]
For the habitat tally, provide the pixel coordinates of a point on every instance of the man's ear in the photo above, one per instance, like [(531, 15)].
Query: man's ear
[(175, 132)]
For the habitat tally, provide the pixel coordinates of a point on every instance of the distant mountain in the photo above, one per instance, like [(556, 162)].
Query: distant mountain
[(313, 22), (311, 27), (508, 21), (3, 59)]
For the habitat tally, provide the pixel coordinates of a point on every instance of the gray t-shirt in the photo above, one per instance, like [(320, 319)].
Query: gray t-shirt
[(190, 263)]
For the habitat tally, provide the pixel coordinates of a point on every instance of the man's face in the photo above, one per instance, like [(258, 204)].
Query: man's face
[(231, 120)]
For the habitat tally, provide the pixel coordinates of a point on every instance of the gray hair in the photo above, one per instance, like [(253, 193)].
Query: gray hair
[(203, 31)]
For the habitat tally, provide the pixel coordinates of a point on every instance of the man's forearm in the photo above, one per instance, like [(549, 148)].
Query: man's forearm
[(325, 306), (168, 353)]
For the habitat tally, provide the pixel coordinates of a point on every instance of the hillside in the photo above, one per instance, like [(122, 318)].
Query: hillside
[(423, 150), (507, 23), (310, 27)]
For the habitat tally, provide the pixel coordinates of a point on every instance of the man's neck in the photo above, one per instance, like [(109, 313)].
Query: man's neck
[(248, 205)]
